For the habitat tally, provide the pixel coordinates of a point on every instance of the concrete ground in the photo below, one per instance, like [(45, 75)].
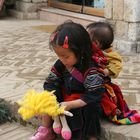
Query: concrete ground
[(25, 59), (14, 131)]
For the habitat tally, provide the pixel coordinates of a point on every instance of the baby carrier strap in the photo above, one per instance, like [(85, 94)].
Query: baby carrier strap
[(94, 71)]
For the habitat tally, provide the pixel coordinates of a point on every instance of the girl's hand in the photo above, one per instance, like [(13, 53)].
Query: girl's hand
[(66, 105)]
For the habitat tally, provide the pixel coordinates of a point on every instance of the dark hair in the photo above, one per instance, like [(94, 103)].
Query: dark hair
[(102, 32), (78, 41)]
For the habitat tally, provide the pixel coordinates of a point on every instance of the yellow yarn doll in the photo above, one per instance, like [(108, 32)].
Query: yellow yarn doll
[(34, 103)]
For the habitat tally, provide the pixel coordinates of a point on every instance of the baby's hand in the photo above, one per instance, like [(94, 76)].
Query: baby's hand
[(106, 72), (118, 112)]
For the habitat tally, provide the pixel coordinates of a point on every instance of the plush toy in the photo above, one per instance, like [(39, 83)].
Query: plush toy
[(34, 104)]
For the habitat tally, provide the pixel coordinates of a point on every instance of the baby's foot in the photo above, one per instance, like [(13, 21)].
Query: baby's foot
[(118, 112)]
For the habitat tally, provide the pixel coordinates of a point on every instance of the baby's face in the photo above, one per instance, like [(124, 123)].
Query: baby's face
[(94, 41), (98, 44)]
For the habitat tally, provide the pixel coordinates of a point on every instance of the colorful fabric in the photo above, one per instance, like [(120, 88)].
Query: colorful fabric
[(114, 62), (112, 99), (108, 59), (98, 56), (127, 116)]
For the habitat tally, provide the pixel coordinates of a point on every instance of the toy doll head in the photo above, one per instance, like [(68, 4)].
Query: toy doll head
[(72, 37), (101, 33)]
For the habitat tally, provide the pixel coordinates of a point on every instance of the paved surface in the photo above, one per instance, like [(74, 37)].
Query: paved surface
[(129, 79), (25, 59), (14, 131)]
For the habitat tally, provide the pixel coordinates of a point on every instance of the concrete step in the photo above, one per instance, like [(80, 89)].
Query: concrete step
[(22, 15), (120, 132), (58, 16), (110, 131), (129, 79), (15, 131)]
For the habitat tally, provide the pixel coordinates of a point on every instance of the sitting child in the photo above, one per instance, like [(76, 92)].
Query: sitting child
[(102, 36), (77, 84), (114, 106)]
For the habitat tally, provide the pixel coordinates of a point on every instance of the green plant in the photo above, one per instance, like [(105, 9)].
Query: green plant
[(5, 113)]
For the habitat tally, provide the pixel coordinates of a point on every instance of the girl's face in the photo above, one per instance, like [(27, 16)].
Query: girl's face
[(66, 56)]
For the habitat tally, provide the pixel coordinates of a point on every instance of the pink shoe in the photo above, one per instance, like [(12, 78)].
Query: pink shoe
[(43, 133)]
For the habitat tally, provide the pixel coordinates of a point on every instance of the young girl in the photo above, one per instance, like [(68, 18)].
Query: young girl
[(113, 103), (77, 83)]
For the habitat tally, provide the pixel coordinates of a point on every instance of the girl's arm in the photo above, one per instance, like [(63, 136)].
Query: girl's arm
[(73, 104)]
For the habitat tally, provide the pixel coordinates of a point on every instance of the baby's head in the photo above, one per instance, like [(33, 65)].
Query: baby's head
[(101, 33), (70, 39)]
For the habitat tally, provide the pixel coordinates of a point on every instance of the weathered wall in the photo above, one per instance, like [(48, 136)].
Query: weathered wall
[(124, 16), (28, 9)]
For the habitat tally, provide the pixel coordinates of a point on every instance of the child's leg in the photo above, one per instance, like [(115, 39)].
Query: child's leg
[(57, 125), (46, 121), (45, 131), (65, 132)]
